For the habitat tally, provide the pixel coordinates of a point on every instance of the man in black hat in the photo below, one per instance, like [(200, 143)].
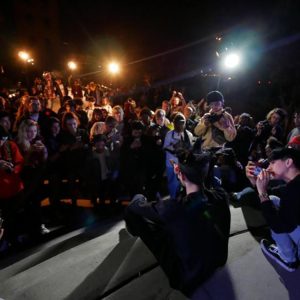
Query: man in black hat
[(215, 127), (189, 236), (280, 205)]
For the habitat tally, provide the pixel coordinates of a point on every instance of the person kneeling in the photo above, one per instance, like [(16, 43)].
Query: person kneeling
[(280, 205), (188, 236)]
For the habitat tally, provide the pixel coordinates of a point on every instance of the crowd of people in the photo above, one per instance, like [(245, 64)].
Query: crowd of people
[(85, 142)]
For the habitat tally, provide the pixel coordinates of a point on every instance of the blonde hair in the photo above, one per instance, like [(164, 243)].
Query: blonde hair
[(97, 128), (21, 139), (119, 109)]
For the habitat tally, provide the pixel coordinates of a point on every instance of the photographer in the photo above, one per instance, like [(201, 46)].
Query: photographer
[(273, 125), (215, 127), (280, 205)]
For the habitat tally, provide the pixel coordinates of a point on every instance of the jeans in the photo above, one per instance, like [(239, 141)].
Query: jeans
[(173, 182), (288, 243)]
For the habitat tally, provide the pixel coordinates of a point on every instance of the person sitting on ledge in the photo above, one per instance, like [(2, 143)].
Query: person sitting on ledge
[(188, 236), (280, 205)]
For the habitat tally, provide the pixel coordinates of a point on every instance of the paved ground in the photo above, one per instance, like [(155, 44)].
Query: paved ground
[(103, 262)]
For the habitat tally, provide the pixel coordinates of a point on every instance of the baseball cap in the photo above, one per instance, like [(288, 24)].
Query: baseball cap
[(285, 153)]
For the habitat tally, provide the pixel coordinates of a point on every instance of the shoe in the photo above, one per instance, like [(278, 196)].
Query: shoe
[(44, 230), (272, 251), (234, 200)]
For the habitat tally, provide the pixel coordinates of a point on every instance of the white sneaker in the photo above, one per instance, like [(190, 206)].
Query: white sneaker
[(44, 230)]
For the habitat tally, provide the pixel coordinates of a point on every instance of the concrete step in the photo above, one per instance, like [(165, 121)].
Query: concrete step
[(87, 264)]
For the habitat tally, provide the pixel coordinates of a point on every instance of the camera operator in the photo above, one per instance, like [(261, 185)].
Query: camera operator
[(273, 125), (280, 205), (215, 127)]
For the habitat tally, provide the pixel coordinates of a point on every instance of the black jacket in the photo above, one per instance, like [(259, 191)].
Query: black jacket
[(191, 237), (287, 218)]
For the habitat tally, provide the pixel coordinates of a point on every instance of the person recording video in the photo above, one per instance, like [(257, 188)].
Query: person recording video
[(215, 127)]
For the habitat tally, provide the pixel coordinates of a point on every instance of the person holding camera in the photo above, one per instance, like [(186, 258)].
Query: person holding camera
[(273, 125), (215, 127), (280, 205)]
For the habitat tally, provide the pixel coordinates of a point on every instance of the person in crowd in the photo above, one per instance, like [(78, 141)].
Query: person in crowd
[(118, 114), (76, 89), (81, 114), (188, 112), (11, 184), (60, 90), (35, 156), (74, 150), (130, 115), (49, 92), (158, 133), (96, 117), (38, 87), (105, 104), (136, 160), (93, 90), (295, 142), (272, 126), (165, 105), (146, 119), (279, 205), (177, 102), (97, 128), (3, 104), (32, 110), (90, 106), (104, 114), (188, 237), (174, 140), (161, 125), (54, 163), (99, 172), (69, 106), (247, 195), (244, 137), (296, 130), (5, 122), (216, 127)]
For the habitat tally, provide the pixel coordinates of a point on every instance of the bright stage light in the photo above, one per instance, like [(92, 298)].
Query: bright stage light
[(232, 60), (72, 65), (114, 68), (23, 55)]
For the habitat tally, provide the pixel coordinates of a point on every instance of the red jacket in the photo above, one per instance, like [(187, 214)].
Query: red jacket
[(10, 182)]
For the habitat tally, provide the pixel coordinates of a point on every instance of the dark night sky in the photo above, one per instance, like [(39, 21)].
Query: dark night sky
[(149, 27), (93, 31), (130, 30)]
